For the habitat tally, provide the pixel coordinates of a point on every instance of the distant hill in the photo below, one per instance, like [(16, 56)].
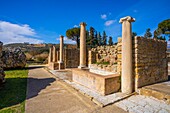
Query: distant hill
[(36, 52), (26, 47)]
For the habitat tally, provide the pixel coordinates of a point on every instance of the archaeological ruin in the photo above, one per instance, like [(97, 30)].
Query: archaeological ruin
[(125, 67), (2, 74)]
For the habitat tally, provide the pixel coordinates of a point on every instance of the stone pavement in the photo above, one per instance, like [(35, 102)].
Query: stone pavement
[(143, 104), (91, 94), (47, 94)]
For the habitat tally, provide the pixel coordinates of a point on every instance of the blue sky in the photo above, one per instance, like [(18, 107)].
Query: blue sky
[(42, 21)]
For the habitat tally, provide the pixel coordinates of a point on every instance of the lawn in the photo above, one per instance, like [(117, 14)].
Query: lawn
[(13, 92)]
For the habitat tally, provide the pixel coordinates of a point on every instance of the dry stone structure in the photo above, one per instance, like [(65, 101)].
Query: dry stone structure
[(13, 58), (103, 58), (2, 74)]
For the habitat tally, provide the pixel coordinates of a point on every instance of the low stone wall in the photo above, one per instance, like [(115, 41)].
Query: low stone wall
[(104, 58), (111, 54), (101, 84), (106, 68), (102, 54), (2, 74), (150, 61)]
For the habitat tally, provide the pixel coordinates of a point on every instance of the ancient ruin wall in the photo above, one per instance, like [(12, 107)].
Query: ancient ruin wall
[(150, 61), (103, 58), (13, 58), (2, 74), (71, 58)]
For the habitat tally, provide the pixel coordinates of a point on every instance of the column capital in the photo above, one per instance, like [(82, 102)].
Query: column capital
[(61, 36), (83, 23), (127, 18)]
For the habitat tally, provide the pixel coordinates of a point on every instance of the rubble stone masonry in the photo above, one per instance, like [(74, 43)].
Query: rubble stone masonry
[(150, 63), (2, 74)]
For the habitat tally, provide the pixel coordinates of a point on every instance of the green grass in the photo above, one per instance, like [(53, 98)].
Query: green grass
[(13, 92)]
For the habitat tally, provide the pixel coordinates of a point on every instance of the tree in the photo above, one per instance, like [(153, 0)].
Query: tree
[(104, 38), (156, 34), (95, 39), (74, 34), (91, 36), (134, 34), (148, 34), (164, 28), (87, 38), (99, 39), (110, 41)]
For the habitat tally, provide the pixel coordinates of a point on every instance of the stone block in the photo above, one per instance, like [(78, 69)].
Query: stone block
[(102, 84)]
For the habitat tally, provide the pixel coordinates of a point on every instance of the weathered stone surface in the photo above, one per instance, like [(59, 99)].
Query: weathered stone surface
[(2, 74), (134, 104), (150, 61), (13, 58), (102, 84)]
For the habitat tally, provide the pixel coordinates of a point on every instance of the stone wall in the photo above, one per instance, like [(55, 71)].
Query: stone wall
[(2, 74), (150, 61), (13, 58), (104, 58), (71, 58), (111, 54), (102, 54)]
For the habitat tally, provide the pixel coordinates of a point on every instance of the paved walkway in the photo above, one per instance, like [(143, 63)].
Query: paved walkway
[(143, 104), (47, 94)]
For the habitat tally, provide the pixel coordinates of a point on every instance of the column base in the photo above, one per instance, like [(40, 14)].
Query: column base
[(60, 65), (53, 65), (82, 66)]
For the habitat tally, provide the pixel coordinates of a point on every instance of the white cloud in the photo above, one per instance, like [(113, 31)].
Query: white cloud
[(104, 16), (75, 26), (67, 41), (109, 22), (15, 33)]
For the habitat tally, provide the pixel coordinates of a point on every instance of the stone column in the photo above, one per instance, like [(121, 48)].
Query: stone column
[(61, 49), (82, 45), (54, 54), (127, 75), (50, 55), (61, 63)]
